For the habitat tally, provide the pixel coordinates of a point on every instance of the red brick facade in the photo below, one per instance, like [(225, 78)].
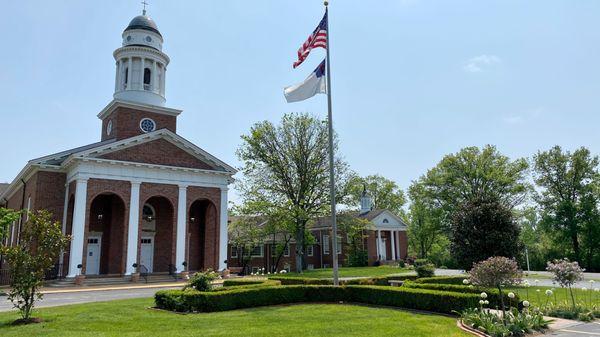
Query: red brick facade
[(159, 152), (126, 122)]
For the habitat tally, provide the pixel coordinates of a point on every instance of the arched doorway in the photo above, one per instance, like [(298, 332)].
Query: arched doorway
[(157, 235), (201, 225), (105, 253)]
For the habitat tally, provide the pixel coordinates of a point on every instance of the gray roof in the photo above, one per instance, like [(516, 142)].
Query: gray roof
[(3, 187), (325, 221), (59, 157), (143, 22)]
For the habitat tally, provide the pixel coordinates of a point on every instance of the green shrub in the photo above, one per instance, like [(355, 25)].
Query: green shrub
[(421, 262), (401, 264), (422, 299), (442, 280), (381, 280), (202, 281), (493, 294), (425, 270), (245, 283)]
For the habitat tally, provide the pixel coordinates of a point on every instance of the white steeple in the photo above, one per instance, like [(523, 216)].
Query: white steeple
[(366, 204), (141, 64)]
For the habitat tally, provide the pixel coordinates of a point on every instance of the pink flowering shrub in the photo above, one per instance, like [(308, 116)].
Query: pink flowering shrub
[(566, 274), (496, 272)]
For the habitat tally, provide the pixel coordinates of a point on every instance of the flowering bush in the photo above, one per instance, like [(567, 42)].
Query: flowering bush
[(515, 323), (202, 281), (496, 272), (566, 274)]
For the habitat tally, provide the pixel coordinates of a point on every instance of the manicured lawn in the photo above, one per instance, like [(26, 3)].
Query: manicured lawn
[(132, 318), (560, 295), (350, 272)]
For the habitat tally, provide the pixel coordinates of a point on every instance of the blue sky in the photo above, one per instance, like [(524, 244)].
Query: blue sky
[(413, 80)]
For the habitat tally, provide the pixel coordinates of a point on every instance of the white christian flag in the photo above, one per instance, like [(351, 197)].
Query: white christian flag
[(312, 85)]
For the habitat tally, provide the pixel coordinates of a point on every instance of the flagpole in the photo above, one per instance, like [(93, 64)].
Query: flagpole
[(331, 157)]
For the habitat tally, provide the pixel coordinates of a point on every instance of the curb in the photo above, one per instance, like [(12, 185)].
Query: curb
[(79, 290), (470, 330)]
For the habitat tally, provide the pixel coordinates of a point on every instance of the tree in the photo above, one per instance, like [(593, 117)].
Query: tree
[(41, 242), (496, 272), (424, 227), (7, 217), (286, 168), (385, 193), (245, 233), (568, 199), (482, 228), (476, 174), (356, 230)]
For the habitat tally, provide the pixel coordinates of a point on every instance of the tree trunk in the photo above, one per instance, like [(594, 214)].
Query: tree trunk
[(299, 249), (576, 248)]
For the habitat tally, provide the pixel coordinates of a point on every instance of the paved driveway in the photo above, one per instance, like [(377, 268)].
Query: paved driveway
[(54, 299), (580, 330)]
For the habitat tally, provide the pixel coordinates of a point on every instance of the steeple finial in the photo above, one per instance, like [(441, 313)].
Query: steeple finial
[(144, 3)]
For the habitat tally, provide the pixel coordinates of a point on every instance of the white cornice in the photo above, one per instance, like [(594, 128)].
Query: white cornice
[(115, 103)]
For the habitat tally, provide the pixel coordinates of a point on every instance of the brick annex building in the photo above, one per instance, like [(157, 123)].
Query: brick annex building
[(385, 241), (143, 195)]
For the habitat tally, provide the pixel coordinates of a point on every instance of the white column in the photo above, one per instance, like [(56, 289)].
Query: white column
[(393, 234), (143, 66), (154, 79), (117, 76), (378, 244), (181, 228), (61, 258), (223, 238), (129, 72), (133, 227), (398, 243), (78, 230), (163, 80)]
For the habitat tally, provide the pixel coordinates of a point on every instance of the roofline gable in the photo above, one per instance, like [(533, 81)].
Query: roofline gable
[(165, 134)]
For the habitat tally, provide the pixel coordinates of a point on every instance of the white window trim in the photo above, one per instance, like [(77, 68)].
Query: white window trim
[(311, 251), (234, 252), (339, 243), (287, 248), (326, 245), (262, 251), (147, 119)]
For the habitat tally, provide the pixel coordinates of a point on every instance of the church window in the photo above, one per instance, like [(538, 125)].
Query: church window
[(386, 221), (147, 125), (148, 39), (129, 38), (126, 76), (147, 77), (109, 128)]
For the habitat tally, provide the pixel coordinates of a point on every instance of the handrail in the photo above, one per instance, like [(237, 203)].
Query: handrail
[(144, 272)]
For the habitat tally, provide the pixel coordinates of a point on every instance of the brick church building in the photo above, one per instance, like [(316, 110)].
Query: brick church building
[(143, 198)]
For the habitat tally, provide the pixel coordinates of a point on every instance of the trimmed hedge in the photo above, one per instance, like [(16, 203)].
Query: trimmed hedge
[(421, 299), (246, 282), (493, 294), (380, 281), (443, 279)]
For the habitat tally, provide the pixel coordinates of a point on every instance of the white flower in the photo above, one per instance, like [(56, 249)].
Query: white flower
[(466, 281), (528, 316), (526, 304), (526, 283), (549, 292), (592, 282), (486, 302), (483, 295), (584, 289), (471, 286), (481, 302), (537, 290), (596, 289), (536, 282), (511, 295)]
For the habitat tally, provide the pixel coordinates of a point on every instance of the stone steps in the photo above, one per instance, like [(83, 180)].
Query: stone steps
[(111, 280)]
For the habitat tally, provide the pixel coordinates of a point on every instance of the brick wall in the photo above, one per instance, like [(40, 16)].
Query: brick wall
[(126, 122), (159, 152)]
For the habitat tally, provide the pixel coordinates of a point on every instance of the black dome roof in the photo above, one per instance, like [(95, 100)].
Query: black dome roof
[(143, 22)]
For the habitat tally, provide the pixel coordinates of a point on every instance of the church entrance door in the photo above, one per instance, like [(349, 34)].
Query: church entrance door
[(147, 253)]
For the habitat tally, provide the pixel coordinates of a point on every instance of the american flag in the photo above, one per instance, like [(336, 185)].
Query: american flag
[(317, 39)]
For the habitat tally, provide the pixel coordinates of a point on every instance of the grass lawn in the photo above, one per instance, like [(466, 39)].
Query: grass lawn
[(132, 318), (560, 295), (350, 272)]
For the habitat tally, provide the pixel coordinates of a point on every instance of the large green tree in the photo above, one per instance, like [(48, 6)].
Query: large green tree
[(424, 226), (476, 174), (385, 193), (568, 198), (286, 170)]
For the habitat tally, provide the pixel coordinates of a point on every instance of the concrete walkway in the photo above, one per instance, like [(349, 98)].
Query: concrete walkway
[(577, 329)]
